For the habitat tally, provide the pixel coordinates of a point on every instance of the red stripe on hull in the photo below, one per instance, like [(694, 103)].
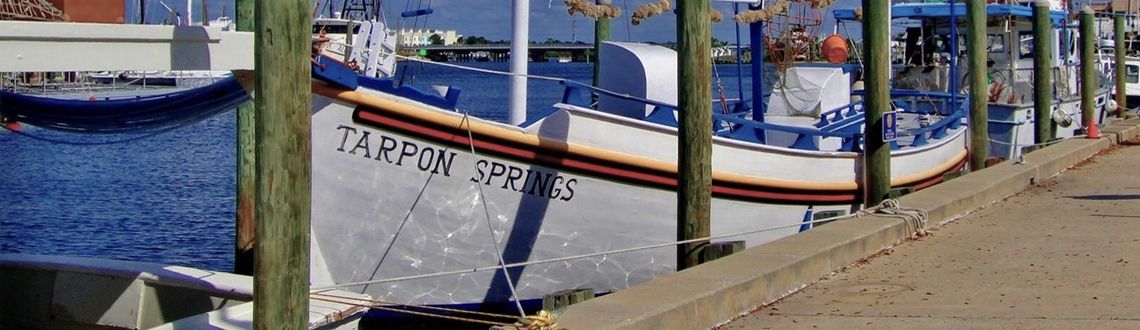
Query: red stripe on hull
[(558, 159)]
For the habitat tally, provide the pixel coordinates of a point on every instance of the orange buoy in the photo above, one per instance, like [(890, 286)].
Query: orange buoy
[(835, 49), (10, 124)]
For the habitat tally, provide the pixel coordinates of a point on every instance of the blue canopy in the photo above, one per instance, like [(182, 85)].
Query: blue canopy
[(139, 114), (938, 10)]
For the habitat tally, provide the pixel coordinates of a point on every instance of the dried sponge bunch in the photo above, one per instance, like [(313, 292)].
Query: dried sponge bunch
[(589, 9), (649, 10), (779, 7), (715, 15)]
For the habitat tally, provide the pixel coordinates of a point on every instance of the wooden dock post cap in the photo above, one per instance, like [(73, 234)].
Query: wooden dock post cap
[(1086, 10), (1041, 3)]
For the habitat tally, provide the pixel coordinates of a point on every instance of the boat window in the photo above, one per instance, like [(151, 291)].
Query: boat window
[(996, 43), (1026, 42), (1131, 74)]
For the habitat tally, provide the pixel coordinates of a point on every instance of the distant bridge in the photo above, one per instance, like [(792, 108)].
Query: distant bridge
[(503, 47), (500, 52)]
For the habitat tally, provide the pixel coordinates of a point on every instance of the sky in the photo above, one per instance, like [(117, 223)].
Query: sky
[(491, 19)]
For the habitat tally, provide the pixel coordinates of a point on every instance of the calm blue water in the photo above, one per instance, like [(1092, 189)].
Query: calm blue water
[(170, 198)]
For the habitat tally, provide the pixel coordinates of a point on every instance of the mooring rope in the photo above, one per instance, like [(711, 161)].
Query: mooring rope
[(512, 74), (860, 213), (915, 219), (487, 216), (543, 320), (404, 311), (430, 307)]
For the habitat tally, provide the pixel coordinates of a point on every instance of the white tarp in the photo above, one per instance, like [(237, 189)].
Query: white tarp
[(808, 91)]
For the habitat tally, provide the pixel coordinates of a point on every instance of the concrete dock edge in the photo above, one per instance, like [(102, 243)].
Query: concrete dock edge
[(718, 291)]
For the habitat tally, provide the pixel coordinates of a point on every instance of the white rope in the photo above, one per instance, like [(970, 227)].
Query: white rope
[(915, 219), (487, 216), (512, 74), (898, 212), (501, 73)]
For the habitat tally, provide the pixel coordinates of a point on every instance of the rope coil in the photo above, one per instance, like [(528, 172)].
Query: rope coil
[(915, 219)]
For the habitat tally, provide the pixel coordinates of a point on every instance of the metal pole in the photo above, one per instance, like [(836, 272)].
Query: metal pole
[(520, 36), (876, 40), (694, 157), (601, 33), (246, 163), (283, 88), (1088, 72), (1042, 72), (1118, 35), (756, 41), (976, 50), (739, 56), (955, 89)]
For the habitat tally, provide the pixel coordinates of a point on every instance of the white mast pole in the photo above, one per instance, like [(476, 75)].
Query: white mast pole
[(189, 12), (520, 38)]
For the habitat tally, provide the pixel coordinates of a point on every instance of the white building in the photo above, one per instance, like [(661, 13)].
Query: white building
[(422, 37)]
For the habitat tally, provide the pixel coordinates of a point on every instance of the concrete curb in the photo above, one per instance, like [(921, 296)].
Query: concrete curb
[(716, 292)]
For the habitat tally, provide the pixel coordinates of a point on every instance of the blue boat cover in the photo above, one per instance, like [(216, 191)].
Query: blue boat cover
[(125, 115)]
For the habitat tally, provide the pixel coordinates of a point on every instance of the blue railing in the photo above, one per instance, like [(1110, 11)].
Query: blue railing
[(842, 122)]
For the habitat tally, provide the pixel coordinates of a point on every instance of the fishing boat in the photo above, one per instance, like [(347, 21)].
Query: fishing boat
[(1131, 73), (418, 202), (356, 34), (1010, 71)]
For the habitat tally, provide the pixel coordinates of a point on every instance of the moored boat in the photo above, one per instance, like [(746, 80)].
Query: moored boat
[(415, 202), (1010, 73)]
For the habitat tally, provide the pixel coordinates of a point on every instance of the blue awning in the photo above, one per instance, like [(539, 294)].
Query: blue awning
[(920, 11)]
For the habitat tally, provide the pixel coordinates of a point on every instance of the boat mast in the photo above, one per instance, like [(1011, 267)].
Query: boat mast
[(520, 36), (189, 12)]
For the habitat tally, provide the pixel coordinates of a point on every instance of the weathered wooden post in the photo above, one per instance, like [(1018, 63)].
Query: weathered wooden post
[(243, 229), (282, 48), (694, 157), (876, 40), (1042, 72), (1088, 73), (1118, 36), (976, 50), (601, 33)]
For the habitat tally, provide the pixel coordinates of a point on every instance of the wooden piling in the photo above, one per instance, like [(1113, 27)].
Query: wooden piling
[(694, 157), (1042, 72), (282, 49), (601, 33), (558, 301), (714, 251), (246, 160), (1118, 36), (1088, 71), (979, 89), (877, 156)]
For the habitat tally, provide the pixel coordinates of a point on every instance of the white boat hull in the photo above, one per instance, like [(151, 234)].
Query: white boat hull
[(392, 199)]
